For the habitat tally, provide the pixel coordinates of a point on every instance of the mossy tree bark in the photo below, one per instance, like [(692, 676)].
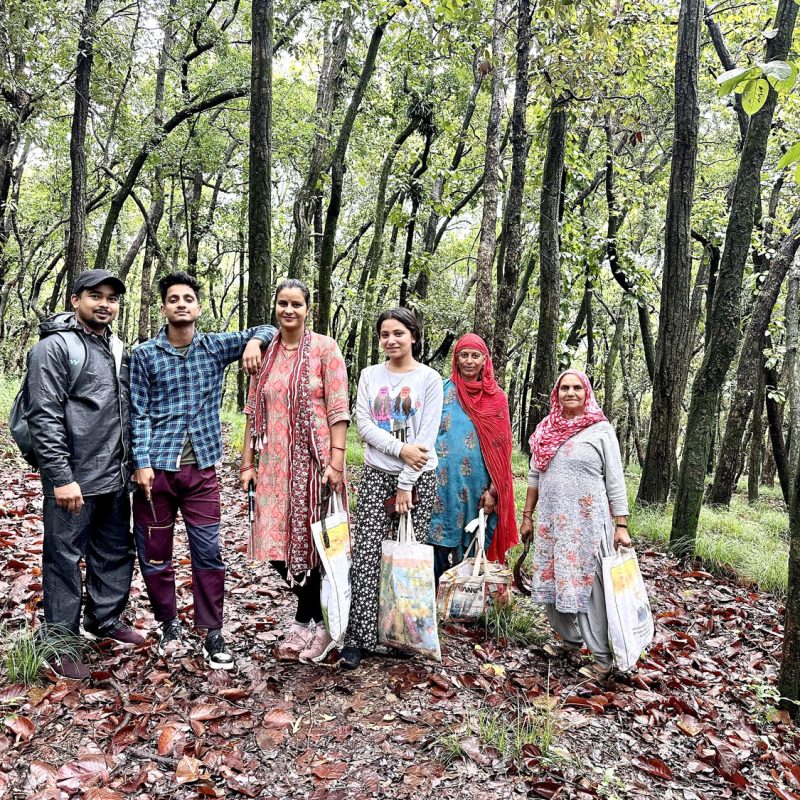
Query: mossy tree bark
[(75, 256), (512, 220), (671, 362), (748, 377), (545, 369), (259, 208), (726, 309), (482, 324)]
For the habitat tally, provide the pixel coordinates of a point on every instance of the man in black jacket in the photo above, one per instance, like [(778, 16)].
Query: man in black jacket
[(80, 429)]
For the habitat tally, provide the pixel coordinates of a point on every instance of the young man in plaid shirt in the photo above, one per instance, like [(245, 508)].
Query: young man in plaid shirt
[(176, 389)]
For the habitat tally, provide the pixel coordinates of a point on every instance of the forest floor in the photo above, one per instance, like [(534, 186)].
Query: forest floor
[(491, 720)]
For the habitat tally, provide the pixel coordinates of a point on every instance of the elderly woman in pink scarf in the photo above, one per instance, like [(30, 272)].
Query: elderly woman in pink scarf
[(576, 479)]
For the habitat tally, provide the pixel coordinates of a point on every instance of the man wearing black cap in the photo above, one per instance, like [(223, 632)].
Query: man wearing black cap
[(78, 391)]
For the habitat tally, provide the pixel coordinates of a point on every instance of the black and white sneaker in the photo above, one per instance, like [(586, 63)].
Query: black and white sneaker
[(216, 653), (171, 636)]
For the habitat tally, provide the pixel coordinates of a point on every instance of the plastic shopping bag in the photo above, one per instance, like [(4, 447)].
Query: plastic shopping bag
[(466, 589), (332, 540), (630, 621), (407, 606)]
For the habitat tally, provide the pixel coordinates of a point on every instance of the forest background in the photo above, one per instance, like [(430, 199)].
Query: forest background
[(607, 185)]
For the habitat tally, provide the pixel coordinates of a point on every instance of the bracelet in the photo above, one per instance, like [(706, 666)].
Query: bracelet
[(335, 447), (336, 468), (244, 469), (527, 514), (620, 525)]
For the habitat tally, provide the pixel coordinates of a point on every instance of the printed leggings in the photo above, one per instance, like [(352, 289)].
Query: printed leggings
[(372, 526)]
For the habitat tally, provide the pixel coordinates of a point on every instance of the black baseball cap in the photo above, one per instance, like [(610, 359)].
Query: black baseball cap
[(94, 277)]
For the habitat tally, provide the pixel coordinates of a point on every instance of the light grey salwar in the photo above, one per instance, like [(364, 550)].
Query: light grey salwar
[(582, 487)]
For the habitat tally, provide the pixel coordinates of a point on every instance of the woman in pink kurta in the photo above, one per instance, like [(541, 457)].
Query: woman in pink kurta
[(297, 424)]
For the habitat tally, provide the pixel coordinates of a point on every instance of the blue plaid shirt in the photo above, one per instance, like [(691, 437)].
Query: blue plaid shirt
[(173, 395)]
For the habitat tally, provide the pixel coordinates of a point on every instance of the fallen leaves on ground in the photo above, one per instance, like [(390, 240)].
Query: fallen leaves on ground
[(695, 723)]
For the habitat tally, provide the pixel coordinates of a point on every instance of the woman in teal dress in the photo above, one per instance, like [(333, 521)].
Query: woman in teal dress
[(474, 450)]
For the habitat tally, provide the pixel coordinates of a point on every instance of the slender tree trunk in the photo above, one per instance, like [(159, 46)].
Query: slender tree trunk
[(756, 442), (240, 301), (140, 159), (523, 405), (337, 168), (259, 208), (674, 336), (614, 350), (726, 311), (75, 258), (482, 324), (333, 62), (615, 218), (792, 361), (789, 680), (748, 378), (512, 221), (546, 366), (775, 428), (430, 237)]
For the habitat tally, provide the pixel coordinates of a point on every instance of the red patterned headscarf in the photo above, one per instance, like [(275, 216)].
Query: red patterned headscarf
[(555, 428), (487, 406)]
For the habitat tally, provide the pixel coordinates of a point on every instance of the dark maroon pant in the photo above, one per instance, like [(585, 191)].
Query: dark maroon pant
[(195, 493)]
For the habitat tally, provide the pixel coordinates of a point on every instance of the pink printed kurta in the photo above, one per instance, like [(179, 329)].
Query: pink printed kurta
[(330, 404)]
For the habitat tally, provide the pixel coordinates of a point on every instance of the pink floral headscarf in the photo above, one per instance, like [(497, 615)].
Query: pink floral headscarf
[(555, 429)]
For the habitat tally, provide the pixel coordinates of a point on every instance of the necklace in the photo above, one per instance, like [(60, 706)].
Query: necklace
[(289, 349), (395, 384)]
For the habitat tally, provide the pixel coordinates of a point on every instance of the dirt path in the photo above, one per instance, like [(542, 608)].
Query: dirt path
[(696, 722)]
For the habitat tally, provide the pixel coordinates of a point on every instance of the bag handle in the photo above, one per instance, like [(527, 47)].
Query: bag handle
[(405, 529), (333, 499), (479, 526)]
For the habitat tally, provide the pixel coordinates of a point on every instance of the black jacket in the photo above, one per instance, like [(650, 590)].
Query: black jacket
[(82, 437)]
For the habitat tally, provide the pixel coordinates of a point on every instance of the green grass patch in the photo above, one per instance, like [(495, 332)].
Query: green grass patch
[(750, 541), (516, 732), (9, 386), (25, 651), (518, 622)]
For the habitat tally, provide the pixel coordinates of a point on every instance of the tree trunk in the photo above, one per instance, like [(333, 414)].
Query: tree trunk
[(725, 313), (431, 238), (482, 324), (129, 181), (337, 168), (615, 218), (748, 378), (756, 442), (792, 366), (546, 365), (75, 258), (333, 63), (259, 206), (775, 428), (512, 221), (789, 680), (674, 336), (614, 351)]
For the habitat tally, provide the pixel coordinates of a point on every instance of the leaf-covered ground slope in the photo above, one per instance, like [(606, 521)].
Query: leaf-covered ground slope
[(490, 721)]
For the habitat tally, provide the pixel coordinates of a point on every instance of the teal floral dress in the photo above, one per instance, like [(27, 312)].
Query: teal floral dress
[(461, 478)]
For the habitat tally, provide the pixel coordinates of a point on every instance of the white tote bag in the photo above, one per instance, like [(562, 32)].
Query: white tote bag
[(630, 621), (332, 540)]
